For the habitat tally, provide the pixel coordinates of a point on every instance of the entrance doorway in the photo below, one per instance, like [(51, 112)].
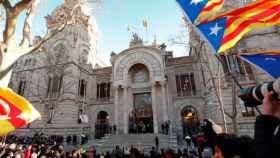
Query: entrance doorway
[(190, 121), (141, 114), (102, 125)]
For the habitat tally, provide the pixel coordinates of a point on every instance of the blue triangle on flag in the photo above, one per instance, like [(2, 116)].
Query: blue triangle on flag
[(268, 63), (192, 8), (214, 32)]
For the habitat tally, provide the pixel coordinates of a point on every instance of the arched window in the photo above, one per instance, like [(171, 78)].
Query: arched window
[(139, 73)]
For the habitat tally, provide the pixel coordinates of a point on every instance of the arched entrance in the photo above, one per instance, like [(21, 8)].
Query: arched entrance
[(190, 121), (102, 125), (141, 114), (141, 111)]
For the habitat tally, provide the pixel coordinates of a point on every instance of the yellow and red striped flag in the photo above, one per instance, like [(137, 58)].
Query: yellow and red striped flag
[(225, 30), (196, 10), (210, 8), (248, 11), (15, 111)]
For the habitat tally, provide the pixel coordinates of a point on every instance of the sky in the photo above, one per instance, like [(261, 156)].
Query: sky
[(114, 16)]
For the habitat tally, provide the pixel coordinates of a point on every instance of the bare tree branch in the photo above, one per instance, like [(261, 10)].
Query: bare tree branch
[(7, 5), (4, 72), (20, 6), (26, 36), (11, 18)]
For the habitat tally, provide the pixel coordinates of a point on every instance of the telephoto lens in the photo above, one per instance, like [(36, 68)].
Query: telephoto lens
[(253, 96)]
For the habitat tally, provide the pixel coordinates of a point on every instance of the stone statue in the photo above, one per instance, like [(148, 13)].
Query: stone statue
[(136, 40)]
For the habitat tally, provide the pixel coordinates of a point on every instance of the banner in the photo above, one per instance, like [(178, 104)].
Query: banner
[(267, 61)]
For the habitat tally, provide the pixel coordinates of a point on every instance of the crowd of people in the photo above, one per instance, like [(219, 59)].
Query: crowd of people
[(42, 147), (211, 144), (266, 143), (45, 151)]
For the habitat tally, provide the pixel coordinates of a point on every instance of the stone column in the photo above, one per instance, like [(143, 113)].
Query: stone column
[(125, 109), (116, 107), (163, 94), (154, 106)]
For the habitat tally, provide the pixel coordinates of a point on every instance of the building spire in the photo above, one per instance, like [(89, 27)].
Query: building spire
[(155, 40)]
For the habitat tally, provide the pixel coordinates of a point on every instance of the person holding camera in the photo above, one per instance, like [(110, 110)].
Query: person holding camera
[(267, 128)]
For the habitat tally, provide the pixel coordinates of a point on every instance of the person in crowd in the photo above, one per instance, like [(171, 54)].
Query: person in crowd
[(207, 153), (167, 127), (91, 152), (154, 153), (267, 128), (108, 155), (179, 153), (126, 152), (210, 130), (157, 142), (185, 153), (117, 153), (231, 146), (162, 128), (115, 129)]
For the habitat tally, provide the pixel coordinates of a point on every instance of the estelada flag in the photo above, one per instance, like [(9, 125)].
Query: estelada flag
[(251, 10), (268, 61), (199, 9), (15, 111), (225, 30)]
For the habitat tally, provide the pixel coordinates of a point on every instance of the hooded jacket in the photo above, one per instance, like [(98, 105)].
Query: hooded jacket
[(267, 137)]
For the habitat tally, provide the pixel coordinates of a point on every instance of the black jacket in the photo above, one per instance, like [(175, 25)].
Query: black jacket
[(267, 137)]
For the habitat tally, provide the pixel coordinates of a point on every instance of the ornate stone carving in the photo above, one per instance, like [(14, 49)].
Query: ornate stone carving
[(149, 60), (136, 40), (72, 11)]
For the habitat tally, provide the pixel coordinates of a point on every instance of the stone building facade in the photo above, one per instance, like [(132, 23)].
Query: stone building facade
[(145, 89)]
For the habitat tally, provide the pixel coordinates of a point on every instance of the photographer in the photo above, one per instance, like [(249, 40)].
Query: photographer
[(267, 132)]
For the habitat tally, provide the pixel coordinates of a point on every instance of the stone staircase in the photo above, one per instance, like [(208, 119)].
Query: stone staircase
[(145, 141)]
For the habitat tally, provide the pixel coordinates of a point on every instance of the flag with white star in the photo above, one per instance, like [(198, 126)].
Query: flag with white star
[(214, 32), (201, 9), (225, 30), (267, 61)]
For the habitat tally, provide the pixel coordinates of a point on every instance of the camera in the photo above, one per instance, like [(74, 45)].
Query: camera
[(253, 96)]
